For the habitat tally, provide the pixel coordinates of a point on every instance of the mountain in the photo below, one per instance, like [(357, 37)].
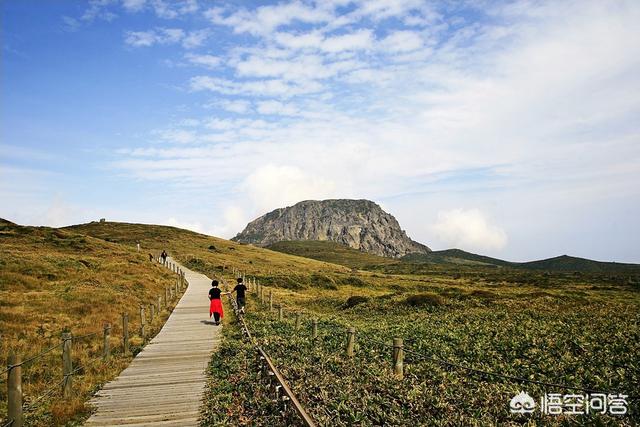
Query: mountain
[(563, 263), (358, 224), (455, 256), (568, 263)]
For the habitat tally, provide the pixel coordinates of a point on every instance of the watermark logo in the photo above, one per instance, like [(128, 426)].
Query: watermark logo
[(522, 403), (571, 404)]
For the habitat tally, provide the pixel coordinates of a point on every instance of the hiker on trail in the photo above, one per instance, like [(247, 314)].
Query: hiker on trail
[(151, 257), (164, 256), (240, 295), (215, 308)]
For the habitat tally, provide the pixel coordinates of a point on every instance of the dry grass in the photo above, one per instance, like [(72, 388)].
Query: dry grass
[(53, 281)]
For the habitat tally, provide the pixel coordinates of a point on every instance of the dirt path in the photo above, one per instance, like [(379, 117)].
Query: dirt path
[(164, 384)]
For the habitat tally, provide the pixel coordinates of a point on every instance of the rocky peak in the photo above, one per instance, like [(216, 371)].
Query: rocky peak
[(359, 224)]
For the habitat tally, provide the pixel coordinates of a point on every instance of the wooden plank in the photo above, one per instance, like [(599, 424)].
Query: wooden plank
[(165, 382)]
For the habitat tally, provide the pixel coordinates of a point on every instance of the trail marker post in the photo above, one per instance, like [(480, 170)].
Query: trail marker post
[(398, 358), (142, 323), (67, 364), (351, 338), (106, 351), (14, 390), (125, 333)]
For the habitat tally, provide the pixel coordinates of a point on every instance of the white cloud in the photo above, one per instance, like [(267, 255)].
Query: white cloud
[(361, 39), (262, 88), (134, 5), (469, 229), (195, 39), (277, 108), (166, 36), (402, 41), (232, 222), (196, 226), (178, 136), (273, 186), (174, 8), (266, 19), (238, 106), (208, 61)]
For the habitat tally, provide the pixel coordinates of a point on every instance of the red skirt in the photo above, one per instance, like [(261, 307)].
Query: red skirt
[(216, 307)]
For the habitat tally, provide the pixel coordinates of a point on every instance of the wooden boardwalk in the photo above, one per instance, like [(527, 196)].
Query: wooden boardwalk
[(164, 384)]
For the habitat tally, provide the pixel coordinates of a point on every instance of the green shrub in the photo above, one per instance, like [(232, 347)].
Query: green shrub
[(427, 299), (322, 281), (353, 281), (355, 300)]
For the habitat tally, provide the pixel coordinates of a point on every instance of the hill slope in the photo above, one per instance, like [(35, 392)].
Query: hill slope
[(52, 280), (359, 224)]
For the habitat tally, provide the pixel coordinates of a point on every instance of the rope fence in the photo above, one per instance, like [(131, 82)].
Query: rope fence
[(18, 405), (282, 391), (397, 347)]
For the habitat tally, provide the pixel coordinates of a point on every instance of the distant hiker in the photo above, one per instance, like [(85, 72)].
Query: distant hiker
[(240, 295), (164, 256), (215, 308), (151, 257)]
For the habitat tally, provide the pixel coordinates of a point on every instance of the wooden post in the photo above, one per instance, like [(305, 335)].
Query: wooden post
[(314, 329), (14, 390), (67, 364), (351, 339), (151, 313), (159, 304), (166, 296), (398, 358), (297, 320), (280, 314), (270, 301), (125, 333), (106, 351), (142, 322)]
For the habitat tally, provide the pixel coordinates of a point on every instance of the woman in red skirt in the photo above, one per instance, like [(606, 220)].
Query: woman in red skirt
[(215, 308)]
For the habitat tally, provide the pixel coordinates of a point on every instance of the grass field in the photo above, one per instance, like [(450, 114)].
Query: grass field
[(561, 327), (55, 280)]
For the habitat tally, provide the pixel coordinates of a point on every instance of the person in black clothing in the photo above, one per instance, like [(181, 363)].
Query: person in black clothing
[(215, 308), (164, 256), (240, 290)]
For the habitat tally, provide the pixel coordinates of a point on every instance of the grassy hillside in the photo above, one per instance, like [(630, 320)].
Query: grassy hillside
[(549, 327), (207, 253), (331, 252), (54, 280), (573, 264)]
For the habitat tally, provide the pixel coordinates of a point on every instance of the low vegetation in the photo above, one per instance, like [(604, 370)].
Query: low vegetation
[(577, 328)]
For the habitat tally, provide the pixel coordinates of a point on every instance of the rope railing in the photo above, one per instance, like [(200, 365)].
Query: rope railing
[(429, 358), (32, 358), (272, 371), (16, 406)]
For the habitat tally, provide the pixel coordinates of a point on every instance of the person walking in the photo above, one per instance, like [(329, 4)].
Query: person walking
[(164, 256), (240, 290), (215, 307)]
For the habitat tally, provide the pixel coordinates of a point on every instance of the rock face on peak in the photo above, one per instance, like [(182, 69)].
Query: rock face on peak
[(359, 224)]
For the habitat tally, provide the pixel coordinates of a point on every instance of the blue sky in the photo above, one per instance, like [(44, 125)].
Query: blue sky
[(505, 128)]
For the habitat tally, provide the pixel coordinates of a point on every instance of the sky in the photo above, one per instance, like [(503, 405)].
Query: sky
[(510, 129)]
